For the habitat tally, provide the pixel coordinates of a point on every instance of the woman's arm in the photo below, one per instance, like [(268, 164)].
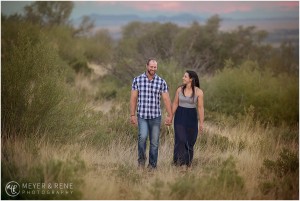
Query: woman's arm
[(175, 101), (200, 108), (167, 101)]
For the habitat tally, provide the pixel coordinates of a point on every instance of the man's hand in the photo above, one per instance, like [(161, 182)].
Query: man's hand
[(133, 120)]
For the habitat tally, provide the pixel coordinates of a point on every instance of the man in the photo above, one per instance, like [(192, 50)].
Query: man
[(146, 92)]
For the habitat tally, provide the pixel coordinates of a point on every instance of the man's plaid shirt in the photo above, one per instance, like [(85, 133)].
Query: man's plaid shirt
[(149, 93)]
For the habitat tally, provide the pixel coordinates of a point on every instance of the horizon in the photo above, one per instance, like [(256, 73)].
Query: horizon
[(205, 9), (271, 16)]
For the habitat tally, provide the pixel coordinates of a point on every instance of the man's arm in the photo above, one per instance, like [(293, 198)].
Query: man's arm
[(167, 101), (133, 103)]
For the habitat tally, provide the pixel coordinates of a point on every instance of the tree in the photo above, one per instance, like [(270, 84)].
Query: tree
[(99, 47), (85, 26), (158, 41), (284, 59), (49, 12), (196, 47)]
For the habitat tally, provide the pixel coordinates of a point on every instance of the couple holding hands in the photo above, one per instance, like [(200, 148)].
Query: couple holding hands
[(187, 110)]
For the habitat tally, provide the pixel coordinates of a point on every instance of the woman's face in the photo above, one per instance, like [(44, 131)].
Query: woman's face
[(186, 79)]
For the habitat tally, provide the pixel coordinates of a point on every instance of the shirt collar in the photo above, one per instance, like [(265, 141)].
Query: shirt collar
[(145, 75)]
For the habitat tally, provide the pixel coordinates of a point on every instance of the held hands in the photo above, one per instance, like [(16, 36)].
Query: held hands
[(168, 120)]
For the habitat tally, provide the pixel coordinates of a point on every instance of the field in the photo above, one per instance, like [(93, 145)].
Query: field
[(244, 160), (65, 130)]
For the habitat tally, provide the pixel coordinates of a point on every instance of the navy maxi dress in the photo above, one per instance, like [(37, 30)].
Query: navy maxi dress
[(186, 130)]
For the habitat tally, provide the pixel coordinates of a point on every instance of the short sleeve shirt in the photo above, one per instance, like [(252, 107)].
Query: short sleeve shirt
[(149, 94)]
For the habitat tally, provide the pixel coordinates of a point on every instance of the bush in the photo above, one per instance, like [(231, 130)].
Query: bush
[(221, 142), (222, 182), (128, 174), (48, 172), (235, 89), (156, 188), (32, 80), (184, 188), (280, 178), (34, 93)]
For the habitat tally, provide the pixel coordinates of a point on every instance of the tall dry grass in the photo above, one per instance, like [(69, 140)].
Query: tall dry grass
[(227, 165)]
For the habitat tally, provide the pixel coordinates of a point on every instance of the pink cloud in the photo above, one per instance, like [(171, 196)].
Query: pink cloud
[(221, 7), (200, 6), (288, 4), (159, 6)]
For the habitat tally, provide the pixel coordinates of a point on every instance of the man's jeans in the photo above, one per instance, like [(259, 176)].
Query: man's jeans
[(151, 126)]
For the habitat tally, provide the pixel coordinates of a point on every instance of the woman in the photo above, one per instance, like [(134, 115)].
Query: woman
[(188, 100)]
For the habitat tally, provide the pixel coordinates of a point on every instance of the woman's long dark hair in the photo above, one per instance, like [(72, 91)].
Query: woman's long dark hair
[(195, 82)]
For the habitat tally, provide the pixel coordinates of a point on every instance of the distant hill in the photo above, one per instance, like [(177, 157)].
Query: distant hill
[(279, 28), (107, 21)]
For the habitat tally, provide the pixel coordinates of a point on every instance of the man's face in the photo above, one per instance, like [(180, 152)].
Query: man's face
[(152, 67)]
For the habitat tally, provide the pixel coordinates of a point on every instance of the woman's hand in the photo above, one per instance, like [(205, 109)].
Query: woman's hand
[(200, 129), (168, 121)]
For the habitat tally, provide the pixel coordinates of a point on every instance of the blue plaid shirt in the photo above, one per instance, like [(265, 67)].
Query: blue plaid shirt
[(149, 93)]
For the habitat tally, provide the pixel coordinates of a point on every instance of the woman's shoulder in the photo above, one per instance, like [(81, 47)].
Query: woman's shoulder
[(199, 91), (179, 88)]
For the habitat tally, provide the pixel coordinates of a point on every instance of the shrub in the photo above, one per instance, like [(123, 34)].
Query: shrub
[(235, 89), (38, 160), (128, 174), (228, 176), (184, 188), (280, 178), (34, 95), (32, 79), (221, 142), (218, 182), (156, 188), (61, 172)]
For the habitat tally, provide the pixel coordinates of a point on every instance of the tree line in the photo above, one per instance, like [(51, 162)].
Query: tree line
[(203, 47)]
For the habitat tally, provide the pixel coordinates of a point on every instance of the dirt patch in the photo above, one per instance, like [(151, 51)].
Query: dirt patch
[(90, 85), (97, 70), (103, 107)]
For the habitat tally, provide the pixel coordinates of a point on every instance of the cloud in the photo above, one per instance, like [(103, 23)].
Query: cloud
[(220, 7), (288, 4), (158, 6), (182, 6), (228, 9)]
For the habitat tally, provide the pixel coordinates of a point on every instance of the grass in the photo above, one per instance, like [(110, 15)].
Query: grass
[(58, 126), (110, 172), (235, 158)]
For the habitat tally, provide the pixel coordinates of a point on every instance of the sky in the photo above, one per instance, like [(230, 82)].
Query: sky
[(237, 9), (228, 9)]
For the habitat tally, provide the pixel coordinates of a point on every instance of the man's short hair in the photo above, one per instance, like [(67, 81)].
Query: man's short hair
[(151, 59)]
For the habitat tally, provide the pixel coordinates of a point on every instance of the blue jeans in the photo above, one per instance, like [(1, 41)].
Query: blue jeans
[(151, 126)]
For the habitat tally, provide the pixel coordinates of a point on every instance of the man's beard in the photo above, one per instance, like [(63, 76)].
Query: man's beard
[(151, 72)]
